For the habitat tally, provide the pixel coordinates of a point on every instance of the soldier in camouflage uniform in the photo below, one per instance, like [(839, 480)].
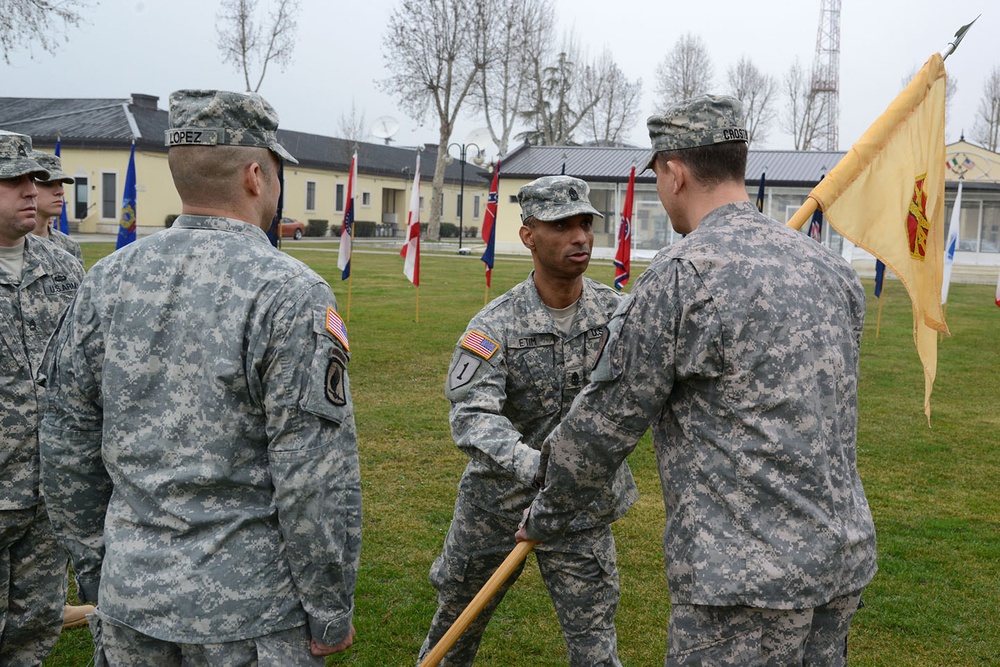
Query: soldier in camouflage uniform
[(739, 346), (50, 203), (515, 371), (199, 452), (37, 284)]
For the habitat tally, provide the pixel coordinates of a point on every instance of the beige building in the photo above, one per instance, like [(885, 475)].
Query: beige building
[(96, 136)]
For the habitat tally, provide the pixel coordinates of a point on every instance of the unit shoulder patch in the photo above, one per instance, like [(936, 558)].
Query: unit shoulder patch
[(463, 371), (336, 390)]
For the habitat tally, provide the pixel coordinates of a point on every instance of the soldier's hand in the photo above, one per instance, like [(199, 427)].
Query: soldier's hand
[(522, 535), (320, 649)]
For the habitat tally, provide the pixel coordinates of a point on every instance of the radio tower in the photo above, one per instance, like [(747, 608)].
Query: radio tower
[(826, 73)]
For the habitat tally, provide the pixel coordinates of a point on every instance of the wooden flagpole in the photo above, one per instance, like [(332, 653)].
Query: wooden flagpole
[(465, 619)]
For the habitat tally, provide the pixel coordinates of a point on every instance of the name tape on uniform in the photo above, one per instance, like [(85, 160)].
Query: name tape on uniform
[(189, 136)]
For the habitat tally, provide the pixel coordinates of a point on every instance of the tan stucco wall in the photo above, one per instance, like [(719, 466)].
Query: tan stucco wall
[(156, 197), (155, 194)]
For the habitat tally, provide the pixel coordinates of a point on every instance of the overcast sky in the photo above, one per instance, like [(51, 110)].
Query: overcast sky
[(156, 46)]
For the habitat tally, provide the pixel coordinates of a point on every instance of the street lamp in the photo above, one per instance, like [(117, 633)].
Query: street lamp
[(462, 148)]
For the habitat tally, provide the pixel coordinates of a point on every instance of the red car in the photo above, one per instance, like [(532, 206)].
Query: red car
[(292, 229)]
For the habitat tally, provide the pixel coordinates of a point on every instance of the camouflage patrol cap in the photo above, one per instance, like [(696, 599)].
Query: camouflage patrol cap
[(52, 164), (554, 198), (15, 157), (222, 118), (699, 121)]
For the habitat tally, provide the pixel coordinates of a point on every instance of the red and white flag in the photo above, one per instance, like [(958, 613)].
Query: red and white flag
[(347, 231), (998, 291), (623, 256), (411, 248)]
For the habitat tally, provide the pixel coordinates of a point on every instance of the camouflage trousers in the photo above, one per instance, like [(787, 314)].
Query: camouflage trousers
[(32, 586), (578, 569), (116, 645), (751, 637)]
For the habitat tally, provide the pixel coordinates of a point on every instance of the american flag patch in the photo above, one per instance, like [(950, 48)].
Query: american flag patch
[(335, 325), (480, 344)]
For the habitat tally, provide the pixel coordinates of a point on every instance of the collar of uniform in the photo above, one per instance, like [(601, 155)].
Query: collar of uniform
[(582, 322), (741, 208), (221, 224)]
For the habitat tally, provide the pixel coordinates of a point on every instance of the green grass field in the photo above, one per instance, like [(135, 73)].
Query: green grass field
[(933, 491)]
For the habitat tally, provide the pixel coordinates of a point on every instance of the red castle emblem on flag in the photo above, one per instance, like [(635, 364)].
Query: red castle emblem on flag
[(917, 224)]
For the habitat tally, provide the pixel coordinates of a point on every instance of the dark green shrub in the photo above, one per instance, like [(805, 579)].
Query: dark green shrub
[(169, 220), (364, 228), (449, 230), (317, 227)]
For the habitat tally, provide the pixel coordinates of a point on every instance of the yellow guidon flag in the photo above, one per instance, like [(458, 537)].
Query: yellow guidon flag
[(887, 196)]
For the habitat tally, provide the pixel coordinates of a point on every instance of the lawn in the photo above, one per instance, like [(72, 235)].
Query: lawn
[(933, 491)]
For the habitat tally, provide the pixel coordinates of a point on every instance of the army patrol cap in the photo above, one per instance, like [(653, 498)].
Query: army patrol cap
[(554, 198), (52, 164), (222, 118), (699, 121), (16, 159)]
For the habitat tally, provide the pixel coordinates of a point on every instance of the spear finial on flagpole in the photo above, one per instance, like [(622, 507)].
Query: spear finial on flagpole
[(959, 35)]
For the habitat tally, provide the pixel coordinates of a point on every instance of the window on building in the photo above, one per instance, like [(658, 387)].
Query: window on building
[(513, 199), (458, 206), (81, 197), (310, 195), (421, 203), (366, 199), (991, 227), (340, 197), (968, 227), (475, 206), (109, 195)]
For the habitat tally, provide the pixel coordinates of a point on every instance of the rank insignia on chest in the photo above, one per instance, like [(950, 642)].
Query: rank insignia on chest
[(336, 326), (478, 343)]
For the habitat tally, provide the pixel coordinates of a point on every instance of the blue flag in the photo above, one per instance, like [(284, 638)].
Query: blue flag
[(63, 221), (760, 193), (879, 277), (126, 224)]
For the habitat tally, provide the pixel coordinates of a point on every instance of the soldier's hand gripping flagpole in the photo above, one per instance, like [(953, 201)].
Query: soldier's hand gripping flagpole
[(485, 594)]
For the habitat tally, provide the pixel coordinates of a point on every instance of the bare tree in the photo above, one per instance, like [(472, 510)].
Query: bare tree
[(246, 42), (986, 131), (684, 72), (564, 90), (435, 51), (353, 126), (617, 106), (805, 111), (520, 28), (36, 23), (756, 91)]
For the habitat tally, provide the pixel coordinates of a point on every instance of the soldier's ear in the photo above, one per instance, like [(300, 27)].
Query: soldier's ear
[(526, 237)]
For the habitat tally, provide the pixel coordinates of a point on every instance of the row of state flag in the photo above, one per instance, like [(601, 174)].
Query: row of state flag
[(622, 259)]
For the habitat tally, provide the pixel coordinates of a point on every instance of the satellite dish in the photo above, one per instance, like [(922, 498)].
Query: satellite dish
[(482, 138), (385, 127)]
